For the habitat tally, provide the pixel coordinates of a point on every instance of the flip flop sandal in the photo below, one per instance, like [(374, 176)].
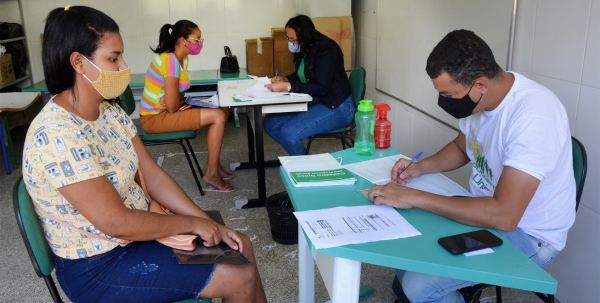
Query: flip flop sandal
[(220, 190)]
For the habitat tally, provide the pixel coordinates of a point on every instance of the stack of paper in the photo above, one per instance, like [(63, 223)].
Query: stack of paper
[(316, 170), (338, 226), (379, 171), (259, 91)]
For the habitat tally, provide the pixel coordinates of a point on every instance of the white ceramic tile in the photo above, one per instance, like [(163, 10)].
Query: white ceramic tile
[(567, 93), (370, 61), (237, 16), (421, 137), (212, 52), (211, 16), (104, 6), (183, 10), (195, 62), (440, 138), (150, 41), (268, 10), (237, 44), (523, 40), (128, 14), (155, 14), (576, 266), (586, 130), (134, 54), (287, 10), (591, 63), (559, 39)]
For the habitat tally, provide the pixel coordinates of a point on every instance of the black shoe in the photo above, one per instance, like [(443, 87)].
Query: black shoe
[(397, 288)]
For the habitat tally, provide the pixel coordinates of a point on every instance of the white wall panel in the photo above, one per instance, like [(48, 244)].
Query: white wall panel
[(567, 93), (591, 66)]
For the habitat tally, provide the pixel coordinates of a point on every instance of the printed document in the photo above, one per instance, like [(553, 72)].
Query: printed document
[(259, 91), (339, 226), (316, 170), (378, 171)]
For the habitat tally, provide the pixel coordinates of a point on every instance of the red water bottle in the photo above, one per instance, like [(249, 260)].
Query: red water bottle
[(383, 127)]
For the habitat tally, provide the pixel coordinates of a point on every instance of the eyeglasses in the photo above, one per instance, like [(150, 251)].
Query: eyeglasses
[(291, 40), (201, 40)]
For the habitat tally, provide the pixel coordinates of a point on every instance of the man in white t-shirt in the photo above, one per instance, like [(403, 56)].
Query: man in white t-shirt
[(515, 135)]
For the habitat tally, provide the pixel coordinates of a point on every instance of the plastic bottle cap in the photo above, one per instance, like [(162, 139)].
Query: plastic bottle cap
[(365, 106)]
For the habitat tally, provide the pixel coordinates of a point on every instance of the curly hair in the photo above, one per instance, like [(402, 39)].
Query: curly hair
[(464, 56)]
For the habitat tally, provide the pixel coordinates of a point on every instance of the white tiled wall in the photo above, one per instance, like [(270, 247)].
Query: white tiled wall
[(557, 43), (223, 22)]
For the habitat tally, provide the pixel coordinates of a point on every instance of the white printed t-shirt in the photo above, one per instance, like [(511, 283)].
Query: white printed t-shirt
[(528, 131)]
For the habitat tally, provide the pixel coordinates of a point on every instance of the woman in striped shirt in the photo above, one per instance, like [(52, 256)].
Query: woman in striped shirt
[(163, 109)]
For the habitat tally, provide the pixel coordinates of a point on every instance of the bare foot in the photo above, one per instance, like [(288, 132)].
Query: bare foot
[(222, 172), (216, 181)]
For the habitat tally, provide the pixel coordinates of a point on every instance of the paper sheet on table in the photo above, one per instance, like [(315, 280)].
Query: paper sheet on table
[(378, 171), (259, 86), (479, 252), (339, 226)]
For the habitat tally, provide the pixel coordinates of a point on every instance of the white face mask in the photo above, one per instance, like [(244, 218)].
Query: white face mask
[(294, 48)]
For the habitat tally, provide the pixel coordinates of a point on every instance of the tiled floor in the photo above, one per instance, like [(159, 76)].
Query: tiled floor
[(277, 263)]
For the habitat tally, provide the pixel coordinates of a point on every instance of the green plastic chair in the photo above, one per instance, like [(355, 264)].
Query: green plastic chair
[(357, 88), (128, 104), (38, 249), (580, 171)]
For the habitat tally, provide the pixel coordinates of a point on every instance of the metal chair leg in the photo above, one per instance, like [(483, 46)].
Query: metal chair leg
[(310, 140), (7, 165), (187, 156), (194, 156), (52, 288), (498, 294)]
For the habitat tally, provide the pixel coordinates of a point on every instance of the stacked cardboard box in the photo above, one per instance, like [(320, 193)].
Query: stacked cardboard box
[(7, 72), (340, 30), (259, 60), (283, 59)]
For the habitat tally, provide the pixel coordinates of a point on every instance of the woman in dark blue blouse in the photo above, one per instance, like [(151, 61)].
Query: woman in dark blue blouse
[(319, 72)]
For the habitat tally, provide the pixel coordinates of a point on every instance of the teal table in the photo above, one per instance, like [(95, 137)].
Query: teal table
[(200, 77), (507, 266)]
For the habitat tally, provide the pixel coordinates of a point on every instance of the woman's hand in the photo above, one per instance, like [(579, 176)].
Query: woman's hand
[(231, 238), (279, 79), (402, 178), (277, 86), (208, 230)]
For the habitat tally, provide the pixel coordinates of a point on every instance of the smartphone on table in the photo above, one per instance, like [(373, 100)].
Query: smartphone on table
[(471, 241)]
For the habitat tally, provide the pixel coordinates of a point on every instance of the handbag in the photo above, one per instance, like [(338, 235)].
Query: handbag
[(181, 241), (229, 63)]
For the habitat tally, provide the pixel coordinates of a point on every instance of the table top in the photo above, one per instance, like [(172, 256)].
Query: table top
[(210, 76), (14, 102), (228, 88), (507, 266)]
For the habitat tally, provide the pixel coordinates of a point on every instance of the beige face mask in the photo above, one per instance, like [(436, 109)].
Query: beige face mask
[(110, 84)]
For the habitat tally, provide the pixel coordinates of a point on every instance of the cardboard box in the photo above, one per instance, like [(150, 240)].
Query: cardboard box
[(260, 64), (7, 72), (283, 59), (344, 36)]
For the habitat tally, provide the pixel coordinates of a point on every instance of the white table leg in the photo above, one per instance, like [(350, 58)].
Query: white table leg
[(346, 280), (306, 270)]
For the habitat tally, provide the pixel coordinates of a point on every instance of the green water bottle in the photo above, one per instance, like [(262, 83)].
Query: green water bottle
[(364, 144)]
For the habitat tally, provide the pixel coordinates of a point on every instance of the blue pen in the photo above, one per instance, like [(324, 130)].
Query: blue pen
[(276, 72), (409, 164)]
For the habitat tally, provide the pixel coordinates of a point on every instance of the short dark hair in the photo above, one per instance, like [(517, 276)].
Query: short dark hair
[(464, 56), (306, 33), (166, 40), (78, 29)]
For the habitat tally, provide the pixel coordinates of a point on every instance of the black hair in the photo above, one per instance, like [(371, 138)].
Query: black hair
[(166, 40), (78, 29), (306, 33), (464, 56)]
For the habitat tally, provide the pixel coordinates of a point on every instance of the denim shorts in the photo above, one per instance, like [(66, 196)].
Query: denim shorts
[(139, 272)]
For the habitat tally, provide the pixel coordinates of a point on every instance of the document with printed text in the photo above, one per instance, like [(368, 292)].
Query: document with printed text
[(378, 171), (339, 226)]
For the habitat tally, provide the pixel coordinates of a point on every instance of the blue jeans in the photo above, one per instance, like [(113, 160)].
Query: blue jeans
[(434, 289), (289, 129), (139, 272)]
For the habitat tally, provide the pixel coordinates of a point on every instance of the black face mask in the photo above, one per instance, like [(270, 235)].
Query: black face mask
[(458, 108)]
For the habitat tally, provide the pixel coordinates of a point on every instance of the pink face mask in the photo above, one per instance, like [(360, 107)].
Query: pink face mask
[(195, 48)]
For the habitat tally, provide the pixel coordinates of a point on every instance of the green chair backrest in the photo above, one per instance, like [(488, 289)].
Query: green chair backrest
[(357, 84), (33, 235), (128, 102), (579, 167)]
